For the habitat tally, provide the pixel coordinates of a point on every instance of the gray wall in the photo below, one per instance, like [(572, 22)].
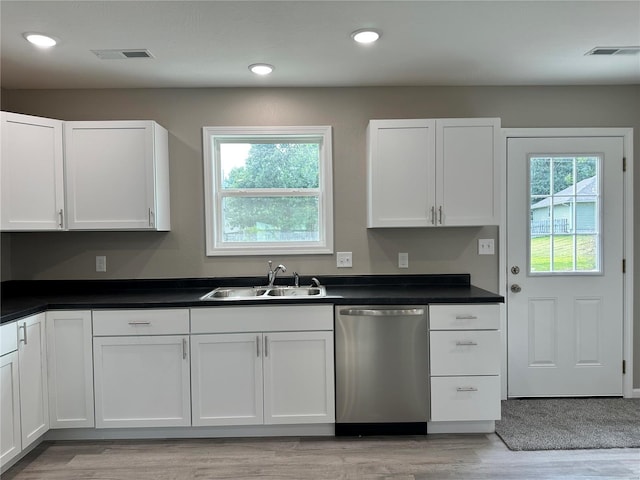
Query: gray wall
[(180, 253)]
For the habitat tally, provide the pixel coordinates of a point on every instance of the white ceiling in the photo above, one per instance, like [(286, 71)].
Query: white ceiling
[(211, 43)]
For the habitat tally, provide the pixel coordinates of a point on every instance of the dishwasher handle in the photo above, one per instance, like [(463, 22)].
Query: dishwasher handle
[(371, 312)]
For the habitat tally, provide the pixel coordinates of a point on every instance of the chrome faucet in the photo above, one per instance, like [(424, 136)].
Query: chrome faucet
[(296, 279), (273, 273), (315, 282)]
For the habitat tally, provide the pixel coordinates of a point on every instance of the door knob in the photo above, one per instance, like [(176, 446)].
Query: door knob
[(515, 288)]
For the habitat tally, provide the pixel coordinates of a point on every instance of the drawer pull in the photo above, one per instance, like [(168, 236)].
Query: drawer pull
[(24, 329), (466, 344), (184, 348), (466, 389), (139, 322), (466, 317)]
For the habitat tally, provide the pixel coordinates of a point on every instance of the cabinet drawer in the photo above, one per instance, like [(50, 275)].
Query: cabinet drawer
[(465, 352), (8, 338), (464, 317), (140, 322), (465, 398), (262, 318)]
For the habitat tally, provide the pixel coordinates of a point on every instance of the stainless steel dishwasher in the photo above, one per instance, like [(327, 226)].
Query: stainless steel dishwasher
[(381, 370)]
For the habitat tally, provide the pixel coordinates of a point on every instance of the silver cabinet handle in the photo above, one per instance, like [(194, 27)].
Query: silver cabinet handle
[(24, 329), (433, 215), (368, 312), (466, 317), (266, 346), (466, 389), (184, 348), (151, 217), (440, 214), (139, 322), (465, 344), (258, 346), (61, 216)]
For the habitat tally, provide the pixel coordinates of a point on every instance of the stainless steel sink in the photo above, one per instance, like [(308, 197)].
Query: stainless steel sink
[(259, 293)]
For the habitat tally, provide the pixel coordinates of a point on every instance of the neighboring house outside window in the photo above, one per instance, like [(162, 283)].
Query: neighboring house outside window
[(268, 190), (583, 200)]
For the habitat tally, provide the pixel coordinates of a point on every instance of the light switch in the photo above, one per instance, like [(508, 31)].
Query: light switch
[(344, 260), (101, 263), (403, 260), (486, 246)]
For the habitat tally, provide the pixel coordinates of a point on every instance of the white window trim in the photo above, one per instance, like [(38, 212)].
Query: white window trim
[(211, 173)]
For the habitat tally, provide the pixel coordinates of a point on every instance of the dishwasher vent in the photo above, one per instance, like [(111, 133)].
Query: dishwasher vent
[(122, 54), (608, 51)]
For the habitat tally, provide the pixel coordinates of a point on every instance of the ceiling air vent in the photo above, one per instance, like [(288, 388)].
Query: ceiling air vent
[(614, 51), (122, 54)]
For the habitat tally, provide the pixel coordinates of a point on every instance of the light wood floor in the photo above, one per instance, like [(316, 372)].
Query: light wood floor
[(436, 457)]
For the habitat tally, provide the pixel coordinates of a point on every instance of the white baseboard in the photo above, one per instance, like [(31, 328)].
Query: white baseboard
[(190, 432), (635, 393), (488, 426)]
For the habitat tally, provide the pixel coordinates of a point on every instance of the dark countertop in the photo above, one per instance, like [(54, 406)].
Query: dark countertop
[(21, 298)]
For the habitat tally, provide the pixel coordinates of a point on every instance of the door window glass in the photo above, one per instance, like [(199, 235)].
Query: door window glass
[(564, 210)]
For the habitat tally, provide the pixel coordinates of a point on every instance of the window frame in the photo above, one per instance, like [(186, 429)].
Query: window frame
[(213, 192)]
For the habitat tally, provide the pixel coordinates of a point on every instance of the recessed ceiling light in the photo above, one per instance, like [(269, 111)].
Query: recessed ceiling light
[(40, 40), (366, 35), (261, 68)]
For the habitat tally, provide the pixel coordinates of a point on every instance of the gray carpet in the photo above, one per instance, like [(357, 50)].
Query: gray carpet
[(569, 423)]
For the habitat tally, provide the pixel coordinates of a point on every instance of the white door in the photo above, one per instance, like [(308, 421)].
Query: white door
[(10, 444), (32, 371), (31, 168), (565, 254), (70, 361), (226, 374), (466, 171), (142, 381), (109, 175), (298, 378)]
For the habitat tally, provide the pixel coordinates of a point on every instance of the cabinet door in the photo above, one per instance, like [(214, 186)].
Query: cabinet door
[(10, 441), (467, 171), (141, 381), (70, 363), (31, 170), (34, 399), (110, 175), (298, 377), (226, 373), (400, 168)]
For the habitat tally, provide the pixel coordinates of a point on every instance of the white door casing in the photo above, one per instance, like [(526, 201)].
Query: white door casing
[(590, 342)]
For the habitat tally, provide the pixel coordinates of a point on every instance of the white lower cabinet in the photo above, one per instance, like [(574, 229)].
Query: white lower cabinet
[(298, 377), (10, 441), (279, 371), (226, 373), (32, 369), (464, 350), (141, 380), (70, 362)]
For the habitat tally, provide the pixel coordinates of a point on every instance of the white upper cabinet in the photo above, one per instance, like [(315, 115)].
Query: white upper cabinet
[(31, 168), (117, 175), (427, 173)]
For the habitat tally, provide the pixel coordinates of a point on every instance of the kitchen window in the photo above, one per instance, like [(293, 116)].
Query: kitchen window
[(268, 190)]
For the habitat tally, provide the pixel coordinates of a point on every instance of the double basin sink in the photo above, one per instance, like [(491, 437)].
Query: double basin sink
[(261, 293)]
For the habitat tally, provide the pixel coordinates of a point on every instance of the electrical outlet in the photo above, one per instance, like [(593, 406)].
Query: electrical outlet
[(486, 246), (344, 260), (403, 260), (101, 263)]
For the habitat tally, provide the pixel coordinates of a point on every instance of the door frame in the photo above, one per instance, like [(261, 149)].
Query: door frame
[(627, 336)]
